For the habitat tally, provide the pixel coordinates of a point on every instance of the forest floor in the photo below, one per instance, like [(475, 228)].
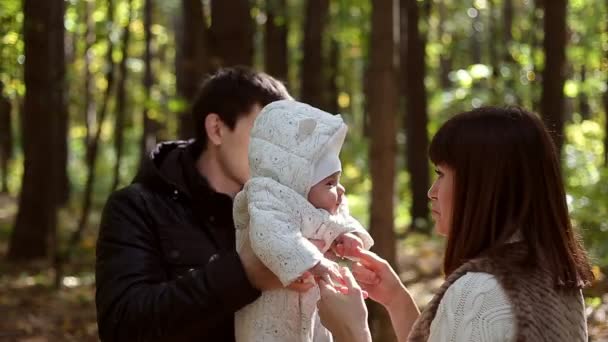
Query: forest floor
[(33, 310)]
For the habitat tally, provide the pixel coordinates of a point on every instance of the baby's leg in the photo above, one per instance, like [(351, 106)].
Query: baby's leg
[(274, 317), (312, 330)]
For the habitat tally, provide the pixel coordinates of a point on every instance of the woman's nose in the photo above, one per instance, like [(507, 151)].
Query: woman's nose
[(432, 193)]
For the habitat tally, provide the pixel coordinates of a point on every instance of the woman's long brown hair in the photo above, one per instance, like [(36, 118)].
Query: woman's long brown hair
[(508, 181)]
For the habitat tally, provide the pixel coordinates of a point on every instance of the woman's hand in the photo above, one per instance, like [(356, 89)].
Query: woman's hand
[(345, 315), (377, 277), (383, 285)]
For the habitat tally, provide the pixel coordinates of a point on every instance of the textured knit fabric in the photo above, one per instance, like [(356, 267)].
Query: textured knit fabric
[(542, 310), (476, 309), (272, 210)]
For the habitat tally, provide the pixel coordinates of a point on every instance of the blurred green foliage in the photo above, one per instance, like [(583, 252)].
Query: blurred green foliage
[(471, 84)]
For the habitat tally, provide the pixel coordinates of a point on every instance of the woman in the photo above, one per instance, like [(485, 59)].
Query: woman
[(514, 266)]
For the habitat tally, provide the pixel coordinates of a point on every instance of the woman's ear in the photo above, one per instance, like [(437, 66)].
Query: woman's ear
[(213, 128)]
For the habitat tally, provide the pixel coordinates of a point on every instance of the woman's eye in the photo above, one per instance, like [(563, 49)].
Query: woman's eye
[(439, 173)]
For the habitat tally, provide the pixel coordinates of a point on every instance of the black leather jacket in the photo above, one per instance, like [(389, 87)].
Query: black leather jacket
[(166, 265)]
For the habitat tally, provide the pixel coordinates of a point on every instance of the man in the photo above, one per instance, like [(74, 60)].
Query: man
[(166, 267)]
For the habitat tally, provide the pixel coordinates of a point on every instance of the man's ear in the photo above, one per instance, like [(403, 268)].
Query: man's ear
[(213, 128)]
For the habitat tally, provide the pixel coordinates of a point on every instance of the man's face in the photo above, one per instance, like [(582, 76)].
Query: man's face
[(233, 152)]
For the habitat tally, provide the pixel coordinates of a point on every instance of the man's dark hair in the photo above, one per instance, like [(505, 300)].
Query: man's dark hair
[(231, 93)]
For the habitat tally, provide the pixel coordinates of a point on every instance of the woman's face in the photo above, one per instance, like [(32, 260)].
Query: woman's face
[(440, 195)]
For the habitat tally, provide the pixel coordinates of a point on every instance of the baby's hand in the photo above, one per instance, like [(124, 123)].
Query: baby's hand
[(346, 245), (327, 270)]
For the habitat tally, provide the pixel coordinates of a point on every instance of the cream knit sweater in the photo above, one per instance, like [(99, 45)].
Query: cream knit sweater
[(474, 308)]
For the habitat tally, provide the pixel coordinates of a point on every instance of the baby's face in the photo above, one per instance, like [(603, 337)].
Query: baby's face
[(327, 194)]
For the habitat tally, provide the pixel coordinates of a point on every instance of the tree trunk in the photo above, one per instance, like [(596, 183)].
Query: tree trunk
[(63, 191), (552, 98), (583, 99), (507, 57), (606, 106), (416, 117), (275, 42), (536, 21), (382, 96), (312, 73), (6, 119), (606, 127), (89, 98), (493, 47), (37, 217), (148, 138), (93, 148), (445, 59), (6, 139), (63, 181), (191, 61), (507, 15), (121, 98), (476, 23), (332, 77), (232, 30)]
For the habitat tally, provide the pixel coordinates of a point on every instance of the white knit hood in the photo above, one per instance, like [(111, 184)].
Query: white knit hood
[(290, 140)]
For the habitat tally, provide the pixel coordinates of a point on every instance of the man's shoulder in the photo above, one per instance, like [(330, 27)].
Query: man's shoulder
[(133, 191), (134, 196)]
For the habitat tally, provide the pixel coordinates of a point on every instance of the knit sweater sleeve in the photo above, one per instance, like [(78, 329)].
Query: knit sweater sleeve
[(474, 308)]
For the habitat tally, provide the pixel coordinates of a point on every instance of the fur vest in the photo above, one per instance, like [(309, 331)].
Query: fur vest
[(544, 311)]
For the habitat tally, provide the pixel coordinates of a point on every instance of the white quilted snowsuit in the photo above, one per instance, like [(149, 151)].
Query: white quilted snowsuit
[(287, 139)]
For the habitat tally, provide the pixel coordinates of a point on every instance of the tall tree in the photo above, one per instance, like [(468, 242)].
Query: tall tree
[(413, 72), (535, 46), (507, 57), (119, 126), (148, 137), (476, 27), (37, 217), (95, 140), (606, 103), (191, 60), (232, 32), (61, 142), (333, 68), (583, 98), (6, 138), (382, 97), (89, 98), (492, 46), (312, 72), (445, 57), (275, 39), (554, 46), (507, 16)]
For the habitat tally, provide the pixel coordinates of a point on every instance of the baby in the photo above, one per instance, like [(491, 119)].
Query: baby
[(294, 195)]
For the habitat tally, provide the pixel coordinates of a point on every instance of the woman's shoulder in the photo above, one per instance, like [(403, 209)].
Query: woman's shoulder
[(475, 283), (477, 291), (475, 307)]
